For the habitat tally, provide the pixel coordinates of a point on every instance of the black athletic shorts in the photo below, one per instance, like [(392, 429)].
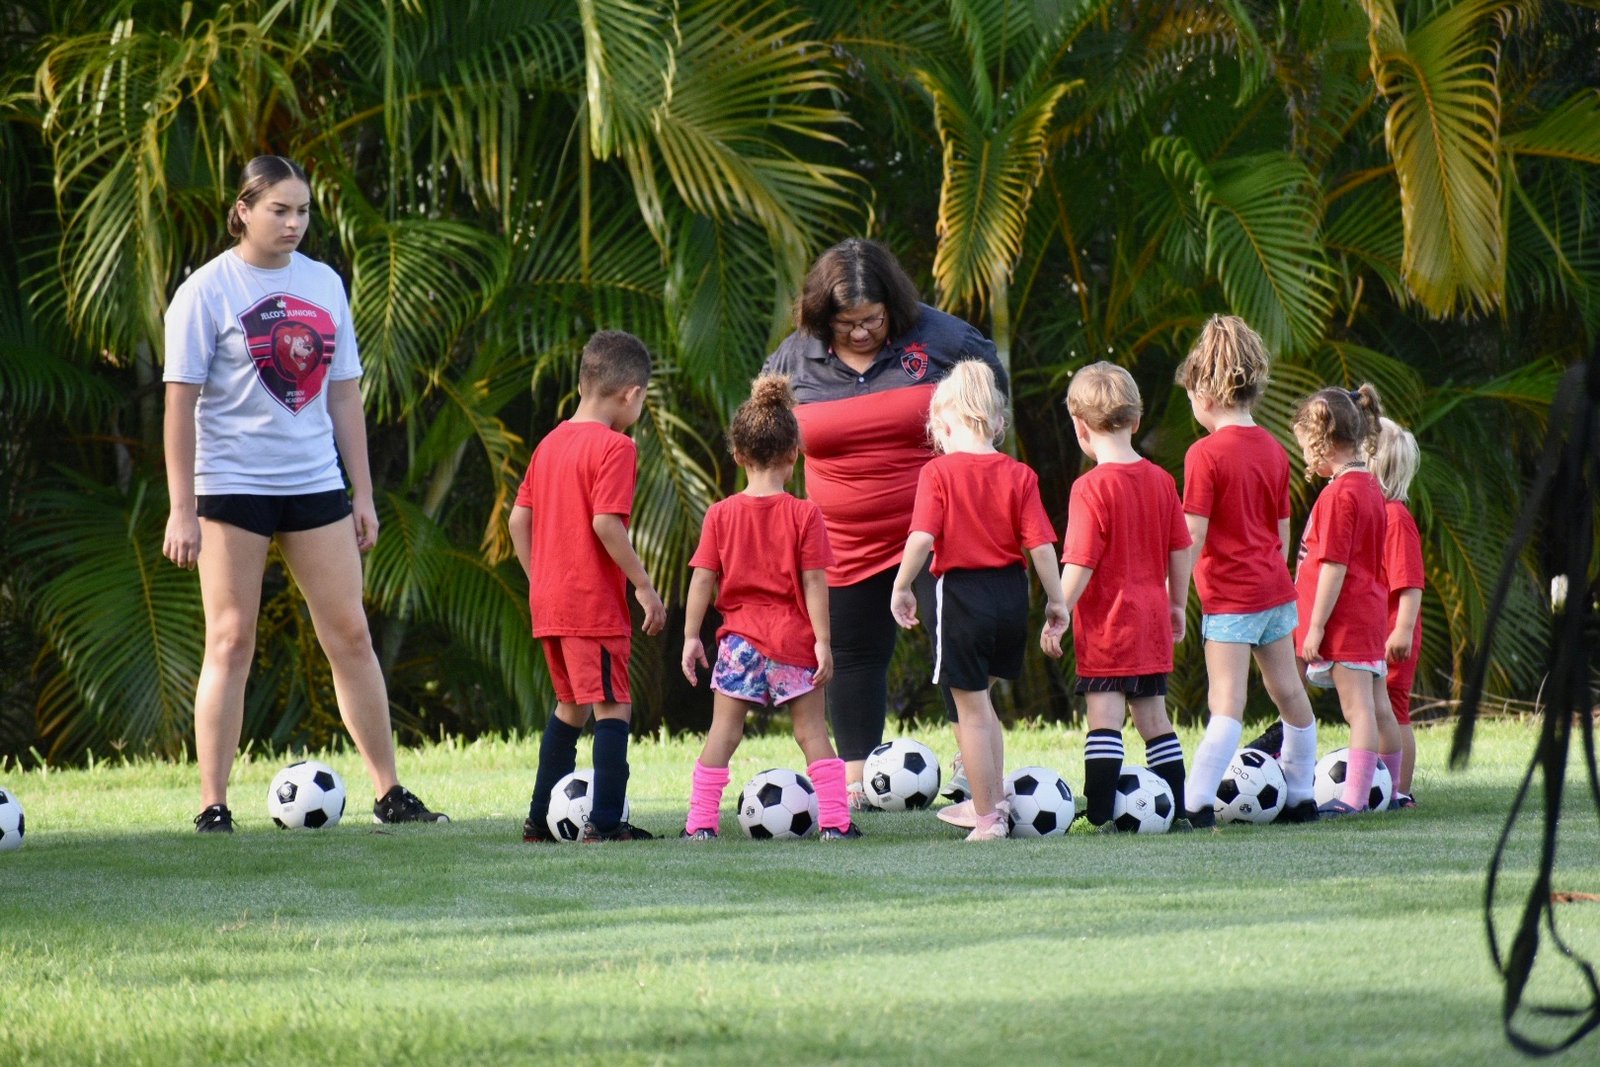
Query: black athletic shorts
[(267, 515), (980, 626), (1133, 686)]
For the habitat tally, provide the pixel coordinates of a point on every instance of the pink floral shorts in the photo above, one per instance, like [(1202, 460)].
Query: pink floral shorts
[(742, 672)]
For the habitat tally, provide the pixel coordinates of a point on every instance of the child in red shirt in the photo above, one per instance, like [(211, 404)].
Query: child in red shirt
[(569, 527), (766, 554), (1340, 636), (1236, 505), (1126, 581), (978, 511), (1394, 464)]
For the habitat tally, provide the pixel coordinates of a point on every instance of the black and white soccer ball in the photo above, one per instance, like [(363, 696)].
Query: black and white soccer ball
[(778, 804), (306, 796), (901, 775), (570, 801), (1143, 803), (12, 825), (1252, 788), (1331, 771), (1042, 804)]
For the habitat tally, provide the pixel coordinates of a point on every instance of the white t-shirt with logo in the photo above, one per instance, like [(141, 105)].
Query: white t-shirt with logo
[(263, 346)]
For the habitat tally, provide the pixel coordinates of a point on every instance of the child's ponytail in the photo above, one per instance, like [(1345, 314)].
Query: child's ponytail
[(1330, 417), (764, 431), (1227, 365)]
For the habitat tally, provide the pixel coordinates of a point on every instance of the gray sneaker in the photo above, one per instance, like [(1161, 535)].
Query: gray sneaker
[(958, 789)]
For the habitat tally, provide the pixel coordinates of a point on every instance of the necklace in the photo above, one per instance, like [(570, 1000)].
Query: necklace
[(1353, 465), (254, 273)]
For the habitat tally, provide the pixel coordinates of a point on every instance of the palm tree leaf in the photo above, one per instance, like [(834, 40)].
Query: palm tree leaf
[(1570, 131)]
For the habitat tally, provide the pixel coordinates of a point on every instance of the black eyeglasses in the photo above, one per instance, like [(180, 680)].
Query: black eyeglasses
[(843, 328)]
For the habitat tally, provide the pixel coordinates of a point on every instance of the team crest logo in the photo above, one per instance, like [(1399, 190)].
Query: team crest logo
[(914, 361), (291, 344)]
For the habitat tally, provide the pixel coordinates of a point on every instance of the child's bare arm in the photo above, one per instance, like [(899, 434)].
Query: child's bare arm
[(1056, 615), (1180, 564), (815, 583), (521, 525), (1199, 526), (1283, 538), (902, 603), (1398, 648), (701, 588), (1330, 580), (614, 536)]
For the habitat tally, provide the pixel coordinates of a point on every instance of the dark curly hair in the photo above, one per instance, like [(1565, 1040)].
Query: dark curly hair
[(764, 431)]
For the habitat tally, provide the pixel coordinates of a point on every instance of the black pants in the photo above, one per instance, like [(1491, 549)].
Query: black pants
[(864, 633)]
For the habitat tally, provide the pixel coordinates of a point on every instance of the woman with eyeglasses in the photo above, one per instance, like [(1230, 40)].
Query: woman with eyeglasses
[(863, 362)]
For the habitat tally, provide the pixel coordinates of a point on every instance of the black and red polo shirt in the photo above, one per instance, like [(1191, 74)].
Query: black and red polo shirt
[(865, 435)]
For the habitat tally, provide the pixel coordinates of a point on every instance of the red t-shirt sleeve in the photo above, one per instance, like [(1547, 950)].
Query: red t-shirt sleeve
[(1178, 531), (1338, 540), (816, 553), (706, 554), (614, 480), (1085, 540), (1402, 551), (1197, 482), (927, 514), (1036, 527)]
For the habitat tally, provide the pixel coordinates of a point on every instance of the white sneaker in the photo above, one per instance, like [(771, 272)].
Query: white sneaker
[(995, 829), (963, 815)]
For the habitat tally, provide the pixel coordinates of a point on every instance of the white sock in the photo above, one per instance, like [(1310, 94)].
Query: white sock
[(1299, 760), (1211, 758)]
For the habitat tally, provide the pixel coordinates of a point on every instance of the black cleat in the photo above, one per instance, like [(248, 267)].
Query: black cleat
[(401, 805), (624, 831), (216, 819), (705, 833), (1305, 811), (536, 833), (833, 833), (1204, 819), (1270, 741)]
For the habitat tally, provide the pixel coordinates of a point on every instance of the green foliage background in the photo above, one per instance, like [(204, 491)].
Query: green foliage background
[(1402, 194)]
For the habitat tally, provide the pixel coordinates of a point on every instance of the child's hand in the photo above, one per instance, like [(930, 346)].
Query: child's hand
[(903, 605), (694, 655), (1180, 623), (824, 672), (1311, 647), (1056, 620), (655, 612), (1398, 648)]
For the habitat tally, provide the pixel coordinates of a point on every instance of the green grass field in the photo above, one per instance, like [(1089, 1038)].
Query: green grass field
[(125, 938)]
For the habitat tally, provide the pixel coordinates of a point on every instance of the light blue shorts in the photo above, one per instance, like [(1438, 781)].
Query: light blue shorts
[(1255, 628), (1319, 672), (742, 672)]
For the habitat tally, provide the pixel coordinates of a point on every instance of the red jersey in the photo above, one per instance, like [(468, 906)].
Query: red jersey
[(1124, 522), (759, 547), (983, 511), (1238, 479), (1402, 570), (575, 588), (863, 456), (1346, 526)]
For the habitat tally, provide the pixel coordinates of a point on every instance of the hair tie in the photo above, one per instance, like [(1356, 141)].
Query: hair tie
[(1355, 395)]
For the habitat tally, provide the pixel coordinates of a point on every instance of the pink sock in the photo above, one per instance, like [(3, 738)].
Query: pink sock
[(833, 803), (1392, 760), (705, 797), (1360, 766)]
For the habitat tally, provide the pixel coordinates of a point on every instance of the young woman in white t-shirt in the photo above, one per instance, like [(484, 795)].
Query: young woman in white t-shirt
[(263, 401)]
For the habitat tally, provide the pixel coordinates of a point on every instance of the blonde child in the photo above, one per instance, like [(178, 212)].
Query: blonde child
[(1394, 464), (1126, 580), (766, 554), (1341, 598), (1236, 505), (978, 511)]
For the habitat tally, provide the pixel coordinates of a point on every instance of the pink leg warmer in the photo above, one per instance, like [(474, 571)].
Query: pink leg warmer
[(1359, 769), (705, 797), (833, 803)]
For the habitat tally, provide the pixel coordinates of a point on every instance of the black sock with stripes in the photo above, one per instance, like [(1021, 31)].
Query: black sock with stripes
[(1102, 766), (1164, 756), (558, 755)]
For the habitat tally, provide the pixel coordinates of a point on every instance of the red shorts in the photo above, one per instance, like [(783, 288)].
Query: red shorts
[(589, 670), (1399, 685)]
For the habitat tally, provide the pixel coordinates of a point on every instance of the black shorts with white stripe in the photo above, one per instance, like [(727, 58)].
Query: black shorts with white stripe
[(980, 626)]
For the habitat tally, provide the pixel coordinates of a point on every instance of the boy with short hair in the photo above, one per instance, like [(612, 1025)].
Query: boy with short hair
[(1126, 581), (569, 526)]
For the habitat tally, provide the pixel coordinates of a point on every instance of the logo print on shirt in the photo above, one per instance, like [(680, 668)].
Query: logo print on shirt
[(290, 341), (914, 361)]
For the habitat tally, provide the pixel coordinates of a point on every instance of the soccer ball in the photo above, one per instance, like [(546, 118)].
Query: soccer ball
[(1143, 803), (1252, 789), (570, 801), (901, 774), (1041, 802), (778, 803), (306, 796), (1331, 770), (12, 824)]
